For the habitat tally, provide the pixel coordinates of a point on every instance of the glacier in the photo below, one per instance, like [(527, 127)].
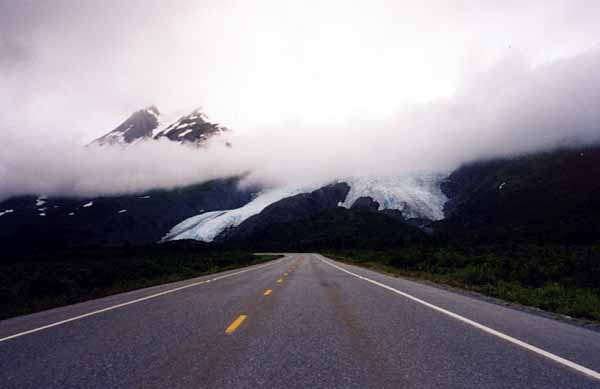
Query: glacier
[(207, 226), (418, 196)]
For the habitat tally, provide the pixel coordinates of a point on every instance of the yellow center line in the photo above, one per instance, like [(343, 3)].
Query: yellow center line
[(285, 274), (279, 281), (236, 323), (267, 292)]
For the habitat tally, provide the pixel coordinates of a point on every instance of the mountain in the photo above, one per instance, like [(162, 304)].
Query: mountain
[(410, 197), (150, 124), (44, 222), (37, 221), (317, 220), (192, 128), (333, 228), (551, 196), (293, 208), (139, 126), (218, 211)]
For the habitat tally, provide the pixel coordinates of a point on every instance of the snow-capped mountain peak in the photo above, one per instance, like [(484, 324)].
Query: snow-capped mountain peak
[(150, 124), (191, 128), (136, 127)]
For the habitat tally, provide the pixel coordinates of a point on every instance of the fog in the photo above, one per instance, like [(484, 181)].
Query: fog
[(313, 91)]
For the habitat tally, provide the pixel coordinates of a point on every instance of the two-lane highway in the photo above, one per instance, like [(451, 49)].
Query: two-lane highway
[(301, 321)]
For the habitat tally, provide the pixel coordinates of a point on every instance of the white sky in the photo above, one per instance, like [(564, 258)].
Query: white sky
[(403, 72), (251, 63)]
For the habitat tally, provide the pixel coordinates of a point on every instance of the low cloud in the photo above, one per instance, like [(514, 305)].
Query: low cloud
[(509, 109), (314, 92), (506, 110)]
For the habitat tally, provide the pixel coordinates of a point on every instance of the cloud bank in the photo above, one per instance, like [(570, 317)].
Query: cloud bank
[(313, 92)]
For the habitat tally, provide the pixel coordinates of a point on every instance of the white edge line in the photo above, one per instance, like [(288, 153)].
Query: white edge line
[(537, 350), (132, 302)]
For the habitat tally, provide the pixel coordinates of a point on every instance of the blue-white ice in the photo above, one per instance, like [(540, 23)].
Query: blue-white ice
[(207, 226), (416, 196)]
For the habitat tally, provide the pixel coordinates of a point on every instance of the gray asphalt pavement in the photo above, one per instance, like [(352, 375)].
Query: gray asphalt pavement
[(322, 325)]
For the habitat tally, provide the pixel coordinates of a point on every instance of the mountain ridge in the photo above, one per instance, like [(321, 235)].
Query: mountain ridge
[(551, 195), (150, 124)]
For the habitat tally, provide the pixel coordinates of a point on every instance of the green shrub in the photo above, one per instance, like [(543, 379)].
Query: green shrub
[(35, 283), (561, 279)]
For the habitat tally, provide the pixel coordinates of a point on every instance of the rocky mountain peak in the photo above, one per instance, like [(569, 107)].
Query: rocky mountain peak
[(136, 127), (192, 128), (150, 124)]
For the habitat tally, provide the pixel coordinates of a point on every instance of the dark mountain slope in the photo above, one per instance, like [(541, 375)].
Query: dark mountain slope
[(138, 126), (334, 228), (299, 207), (128, 219), (544, 197), (192, 128), (315, 220)]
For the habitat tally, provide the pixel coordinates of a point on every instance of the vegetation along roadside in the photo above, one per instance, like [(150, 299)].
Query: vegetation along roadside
[(37, 282), (559, 279)]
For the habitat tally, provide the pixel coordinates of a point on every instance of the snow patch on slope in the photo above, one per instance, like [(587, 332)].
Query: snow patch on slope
[(165, 121), (41, 201), (6, 212)]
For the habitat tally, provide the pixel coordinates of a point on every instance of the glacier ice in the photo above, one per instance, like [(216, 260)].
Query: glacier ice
[(207, 226), (416, 196)]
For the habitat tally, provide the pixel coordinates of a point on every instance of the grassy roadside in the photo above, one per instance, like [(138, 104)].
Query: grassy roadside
[(35, 283), (563, 280)]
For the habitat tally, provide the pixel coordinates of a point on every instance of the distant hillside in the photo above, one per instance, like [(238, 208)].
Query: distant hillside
[(337, 227), (39, 222), (299, 207), (545, 197), (550, 196)]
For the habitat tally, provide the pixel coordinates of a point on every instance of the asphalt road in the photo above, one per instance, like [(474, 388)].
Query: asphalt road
[(323, 325)]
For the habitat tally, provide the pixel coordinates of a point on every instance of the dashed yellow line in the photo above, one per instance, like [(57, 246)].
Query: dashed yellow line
[(285, 274), (279, 281), (236, 323), (267, 292)]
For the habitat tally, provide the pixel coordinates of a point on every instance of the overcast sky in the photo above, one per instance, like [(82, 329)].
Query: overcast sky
[(416, 85)]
